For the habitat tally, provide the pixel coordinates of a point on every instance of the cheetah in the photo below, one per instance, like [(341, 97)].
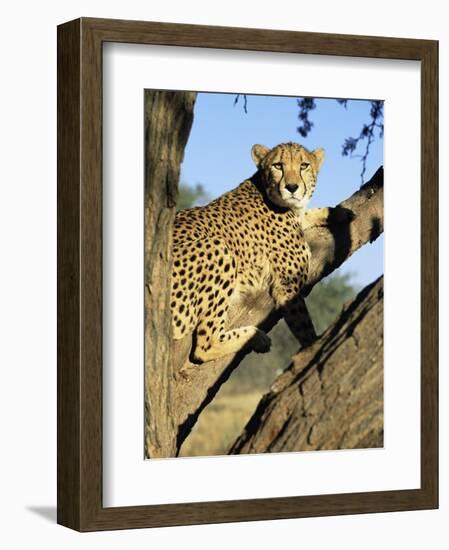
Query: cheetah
[(249, 239)]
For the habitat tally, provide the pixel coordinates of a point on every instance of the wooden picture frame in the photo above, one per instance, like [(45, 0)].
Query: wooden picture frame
[(80, 503)]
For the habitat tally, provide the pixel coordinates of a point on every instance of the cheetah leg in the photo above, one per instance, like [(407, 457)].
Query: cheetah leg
[(296, 315), (298, 319), (211, 346), (315, 216), (218, 278)]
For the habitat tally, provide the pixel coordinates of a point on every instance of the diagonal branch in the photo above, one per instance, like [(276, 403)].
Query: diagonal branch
[(334, 244), (331, 396)]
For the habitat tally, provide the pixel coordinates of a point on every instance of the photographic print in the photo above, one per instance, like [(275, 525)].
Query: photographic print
[(215, 182), (271, 283)]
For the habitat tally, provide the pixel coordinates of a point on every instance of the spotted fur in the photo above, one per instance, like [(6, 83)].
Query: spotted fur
[(249, 239)]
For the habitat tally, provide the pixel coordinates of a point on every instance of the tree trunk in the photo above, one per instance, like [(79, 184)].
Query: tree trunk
[(331, 397), (168, 119)]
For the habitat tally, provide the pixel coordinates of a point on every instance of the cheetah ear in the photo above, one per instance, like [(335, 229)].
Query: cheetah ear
[(258, 153), (319, 155)]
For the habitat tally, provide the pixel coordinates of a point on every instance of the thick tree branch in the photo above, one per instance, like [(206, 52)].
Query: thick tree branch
[(334, 244), (331, 397)]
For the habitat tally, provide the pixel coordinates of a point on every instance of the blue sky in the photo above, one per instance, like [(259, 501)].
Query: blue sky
[(218, 152)]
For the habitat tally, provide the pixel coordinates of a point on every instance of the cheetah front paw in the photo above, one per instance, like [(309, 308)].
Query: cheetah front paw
[(260, 342)]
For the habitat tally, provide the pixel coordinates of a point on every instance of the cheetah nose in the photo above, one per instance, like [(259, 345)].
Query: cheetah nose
[(292, 187)]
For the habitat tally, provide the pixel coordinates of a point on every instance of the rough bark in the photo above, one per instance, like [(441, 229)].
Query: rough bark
[(168, 118), (331, 397)]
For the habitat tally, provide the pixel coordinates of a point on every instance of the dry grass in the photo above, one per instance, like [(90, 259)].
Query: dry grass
[(220, 424)]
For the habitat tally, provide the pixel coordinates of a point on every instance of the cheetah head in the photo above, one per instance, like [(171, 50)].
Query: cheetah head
[(289, 173)]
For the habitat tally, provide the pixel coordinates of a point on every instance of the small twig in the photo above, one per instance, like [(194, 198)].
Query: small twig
[(305, 104), (245, 102), (350, 144)]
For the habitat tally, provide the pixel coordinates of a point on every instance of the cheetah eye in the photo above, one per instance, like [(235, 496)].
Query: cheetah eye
[(277, 165), (304, 165)]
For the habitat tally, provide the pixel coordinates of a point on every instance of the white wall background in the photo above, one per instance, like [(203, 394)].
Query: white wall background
[(28, 273)]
